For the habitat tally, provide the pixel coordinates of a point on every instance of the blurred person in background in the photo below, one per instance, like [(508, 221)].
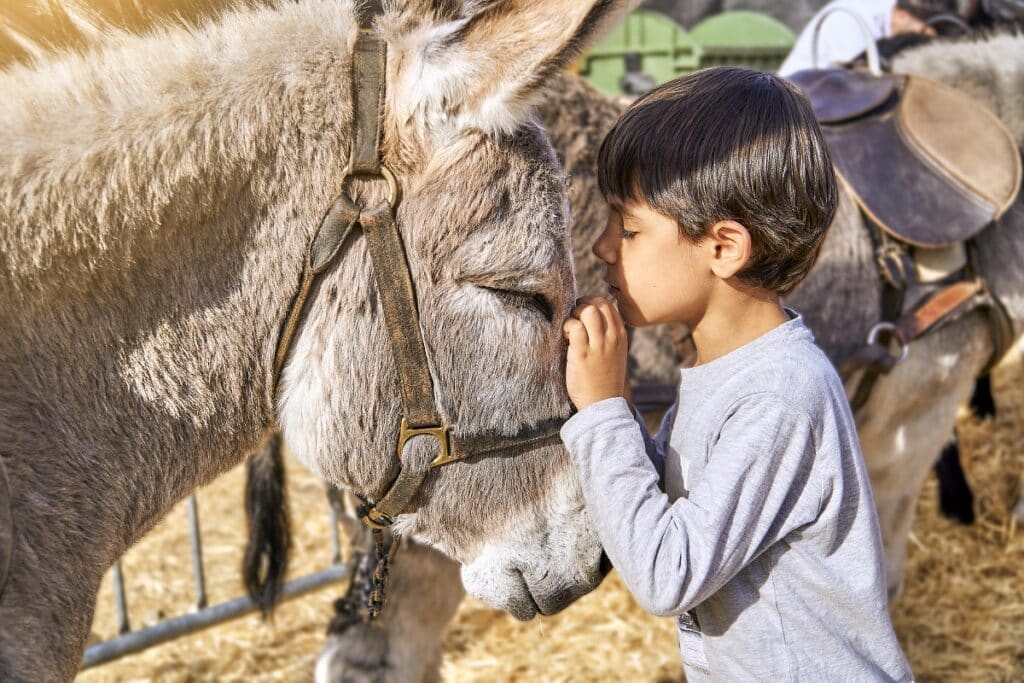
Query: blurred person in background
[(842, 38)]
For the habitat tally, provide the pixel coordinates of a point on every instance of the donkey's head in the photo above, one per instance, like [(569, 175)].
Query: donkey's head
[(485, 222)]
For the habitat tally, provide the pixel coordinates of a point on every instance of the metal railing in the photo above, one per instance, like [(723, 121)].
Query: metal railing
[(204, 616), (645, 397)]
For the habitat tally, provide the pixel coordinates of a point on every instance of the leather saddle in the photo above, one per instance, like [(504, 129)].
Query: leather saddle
[(926, 163)]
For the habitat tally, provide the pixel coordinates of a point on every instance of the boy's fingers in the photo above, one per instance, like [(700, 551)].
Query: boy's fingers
[(613, 324), (590, 299), (583, 304), (575, 332), (593, 319)]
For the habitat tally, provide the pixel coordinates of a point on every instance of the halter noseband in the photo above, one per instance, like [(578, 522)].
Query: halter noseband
[(420, 416)]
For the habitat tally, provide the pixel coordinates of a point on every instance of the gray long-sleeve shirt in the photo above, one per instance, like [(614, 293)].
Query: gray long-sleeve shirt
[(764, 541)]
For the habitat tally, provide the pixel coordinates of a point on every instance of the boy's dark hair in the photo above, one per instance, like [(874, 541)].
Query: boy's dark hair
[(729, 144)]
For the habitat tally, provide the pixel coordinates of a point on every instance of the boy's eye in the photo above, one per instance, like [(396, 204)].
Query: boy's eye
[(628, 234)]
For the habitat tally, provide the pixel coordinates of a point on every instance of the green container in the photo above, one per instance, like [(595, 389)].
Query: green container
[(743, 38), (649, 45)]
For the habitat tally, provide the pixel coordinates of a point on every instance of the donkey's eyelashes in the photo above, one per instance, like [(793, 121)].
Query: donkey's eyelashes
[(534, 301)]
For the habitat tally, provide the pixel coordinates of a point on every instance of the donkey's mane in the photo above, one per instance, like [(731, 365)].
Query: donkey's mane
[(40, 28), (134, 123)]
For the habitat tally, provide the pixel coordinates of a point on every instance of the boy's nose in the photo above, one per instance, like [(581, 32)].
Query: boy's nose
[(603, 249)]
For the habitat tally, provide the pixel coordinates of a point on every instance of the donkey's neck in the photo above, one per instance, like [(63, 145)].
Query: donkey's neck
[(154, 228)]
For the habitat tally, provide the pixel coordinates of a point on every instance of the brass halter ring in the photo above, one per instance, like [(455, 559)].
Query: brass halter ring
[(383, 172)]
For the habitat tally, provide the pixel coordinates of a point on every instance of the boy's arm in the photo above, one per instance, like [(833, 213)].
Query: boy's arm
[(655, 446), (756, 488), (596, 366)]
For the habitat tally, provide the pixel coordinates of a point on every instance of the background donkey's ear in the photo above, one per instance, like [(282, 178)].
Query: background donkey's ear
[(486, 68)]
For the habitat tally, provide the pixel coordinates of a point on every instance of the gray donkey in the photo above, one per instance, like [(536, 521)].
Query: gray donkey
[(158, 195), (909, 418)]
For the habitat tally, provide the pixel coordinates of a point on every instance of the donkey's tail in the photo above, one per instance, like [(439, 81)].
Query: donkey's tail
[(270, 537)]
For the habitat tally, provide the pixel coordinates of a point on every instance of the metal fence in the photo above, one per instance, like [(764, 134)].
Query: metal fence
[(645, 397), (203, 615)]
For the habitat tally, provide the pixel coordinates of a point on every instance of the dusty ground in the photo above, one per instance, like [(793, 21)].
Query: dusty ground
[(961, 619)]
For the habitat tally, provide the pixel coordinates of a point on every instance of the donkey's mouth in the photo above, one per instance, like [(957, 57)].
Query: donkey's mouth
[(524, 606)]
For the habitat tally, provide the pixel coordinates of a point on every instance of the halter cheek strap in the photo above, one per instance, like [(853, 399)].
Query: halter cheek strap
[(397, 295)]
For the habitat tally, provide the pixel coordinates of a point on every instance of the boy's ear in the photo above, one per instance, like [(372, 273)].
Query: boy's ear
[(732, 247), (487, 67)]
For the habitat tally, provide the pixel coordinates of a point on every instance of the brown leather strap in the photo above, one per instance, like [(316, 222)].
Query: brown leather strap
[(369, 61), (1001, 329), (544, 434), (396, 293), (944, 306), (412, 473), (398, 304), (398, 496), (336, 226)]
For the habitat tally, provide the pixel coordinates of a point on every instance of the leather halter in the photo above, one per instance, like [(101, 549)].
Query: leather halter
[(395, 289)]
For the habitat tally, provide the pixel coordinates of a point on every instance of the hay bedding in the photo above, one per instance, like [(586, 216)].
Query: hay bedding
[(960, 619)]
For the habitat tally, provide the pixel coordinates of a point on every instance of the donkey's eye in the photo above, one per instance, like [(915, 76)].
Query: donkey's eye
[(530, 300)]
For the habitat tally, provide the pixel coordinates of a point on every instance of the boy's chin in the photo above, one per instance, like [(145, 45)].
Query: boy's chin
[(631, 317)]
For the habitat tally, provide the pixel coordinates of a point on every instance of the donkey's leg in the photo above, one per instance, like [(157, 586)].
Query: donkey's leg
[(46, 608), (982, 402), (909, 418), (956, 500), (404, 644)]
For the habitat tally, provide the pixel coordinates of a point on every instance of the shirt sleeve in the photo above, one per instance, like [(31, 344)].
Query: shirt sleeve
[(840, 40), (756, 488), (655, 446)]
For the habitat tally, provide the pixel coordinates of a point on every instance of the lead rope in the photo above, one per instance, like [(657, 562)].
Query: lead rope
[(366, 596)]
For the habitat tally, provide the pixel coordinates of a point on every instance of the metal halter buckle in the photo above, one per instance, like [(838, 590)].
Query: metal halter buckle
[(442, 434), (375, 519)]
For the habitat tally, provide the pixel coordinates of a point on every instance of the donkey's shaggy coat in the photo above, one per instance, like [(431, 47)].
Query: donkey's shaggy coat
[(157, 196)]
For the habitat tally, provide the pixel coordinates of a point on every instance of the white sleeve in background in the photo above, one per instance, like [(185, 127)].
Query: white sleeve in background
[(841, 37)]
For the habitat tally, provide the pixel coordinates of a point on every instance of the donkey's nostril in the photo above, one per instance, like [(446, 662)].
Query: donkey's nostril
[(606, 564)]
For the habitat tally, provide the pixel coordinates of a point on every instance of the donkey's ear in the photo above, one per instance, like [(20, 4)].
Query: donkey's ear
[(487, 67)]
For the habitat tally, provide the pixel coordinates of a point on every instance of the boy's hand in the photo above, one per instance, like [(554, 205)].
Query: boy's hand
[(596, 364)]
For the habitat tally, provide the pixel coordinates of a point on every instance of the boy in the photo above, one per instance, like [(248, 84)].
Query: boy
[(764, 542)]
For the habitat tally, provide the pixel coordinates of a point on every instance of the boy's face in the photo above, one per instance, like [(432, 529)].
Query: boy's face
[(655, 274)]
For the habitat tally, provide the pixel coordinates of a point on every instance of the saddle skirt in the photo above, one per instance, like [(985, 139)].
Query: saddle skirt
[(925, 162)]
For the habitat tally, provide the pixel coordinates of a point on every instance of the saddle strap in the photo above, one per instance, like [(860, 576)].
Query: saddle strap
[(943, 307)]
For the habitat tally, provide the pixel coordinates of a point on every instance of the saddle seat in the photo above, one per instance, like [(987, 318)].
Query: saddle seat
[(925, 162)]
